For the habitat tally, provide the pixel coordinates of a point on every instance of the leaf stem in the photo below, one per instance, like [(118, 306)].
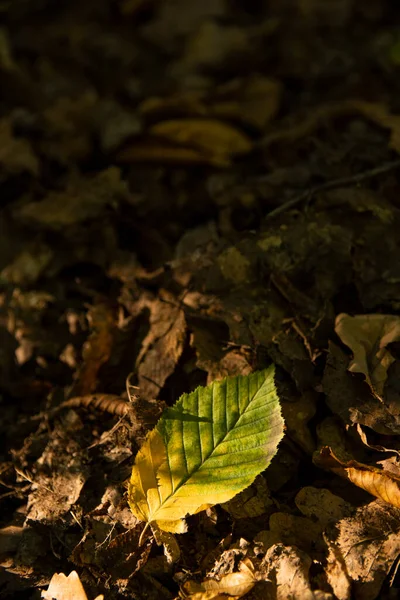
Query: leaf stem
[(142, 534)]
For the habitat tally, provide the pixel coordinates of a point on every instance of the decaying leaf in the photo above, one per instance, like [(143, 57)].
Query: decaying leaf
[(288, 568), (97, 348), (349, 398), (363, 550), (208, 447), (368, 337), (383, 485), (163, 345), (233, 585), (62, 587)]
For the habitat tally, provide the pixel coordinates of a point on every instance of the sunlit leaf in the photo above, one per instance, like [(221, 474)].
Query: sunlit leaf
[(207, 448), (381, 484)]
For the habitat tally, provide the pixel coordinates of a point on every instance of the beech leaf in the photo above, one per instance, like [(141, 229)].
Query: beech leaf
[(205, 449)]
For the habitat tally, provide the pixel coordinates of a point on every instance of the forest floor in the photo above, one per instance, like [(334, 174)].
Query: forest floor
[(191, 190)]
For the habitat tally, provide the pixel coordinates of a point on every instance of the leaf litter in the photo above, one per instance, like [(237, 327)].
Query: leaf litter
[(188, 195)]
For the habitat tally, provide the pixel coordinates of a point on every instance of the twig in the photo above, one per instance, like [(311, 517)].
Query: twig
[(334, 183)]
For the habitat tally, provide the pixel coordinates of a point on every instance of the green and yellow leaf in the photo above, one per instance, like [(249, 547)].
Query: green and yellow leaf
[(205, 449)]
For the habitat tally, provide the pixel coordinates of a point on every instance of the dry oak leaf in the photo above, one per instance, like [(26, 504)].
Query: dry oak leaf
[(233, 585), (205, 449), (381, 484), (62, 587), (368, 337)]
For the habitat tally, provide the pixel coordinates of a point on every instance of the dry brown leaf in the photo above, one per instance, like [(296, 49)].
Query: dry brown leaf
[(297, 414), (381, 484), (213, 138), (362, 550), (62, 587), (320, 504), (97, 349), (163, 346), (288, 568), (254, 501), (348, 397), (368, 337), (336, 572), (233, 585)]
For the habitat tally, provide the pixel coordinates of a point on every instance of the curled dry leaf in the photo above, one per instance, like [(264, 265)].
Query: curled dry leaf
[(233, 585), (208, 447), (62, 587), (381, 484), (368, 337)]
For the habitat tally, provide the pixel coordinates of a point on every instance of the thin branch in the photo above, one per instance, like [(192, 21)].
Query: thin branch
[(334, 183)]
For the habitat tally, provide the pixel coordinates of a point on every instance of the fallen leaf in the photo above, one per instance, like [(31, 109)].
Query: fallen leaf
[(378, 483), (363, 549), (297, 413), (254, 501), (62, 587), (320, 504), (288, 568), (233, 585), (368, 337), (163, 345), (97, 349), (351, 399), (211, 137), (186, 463)]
